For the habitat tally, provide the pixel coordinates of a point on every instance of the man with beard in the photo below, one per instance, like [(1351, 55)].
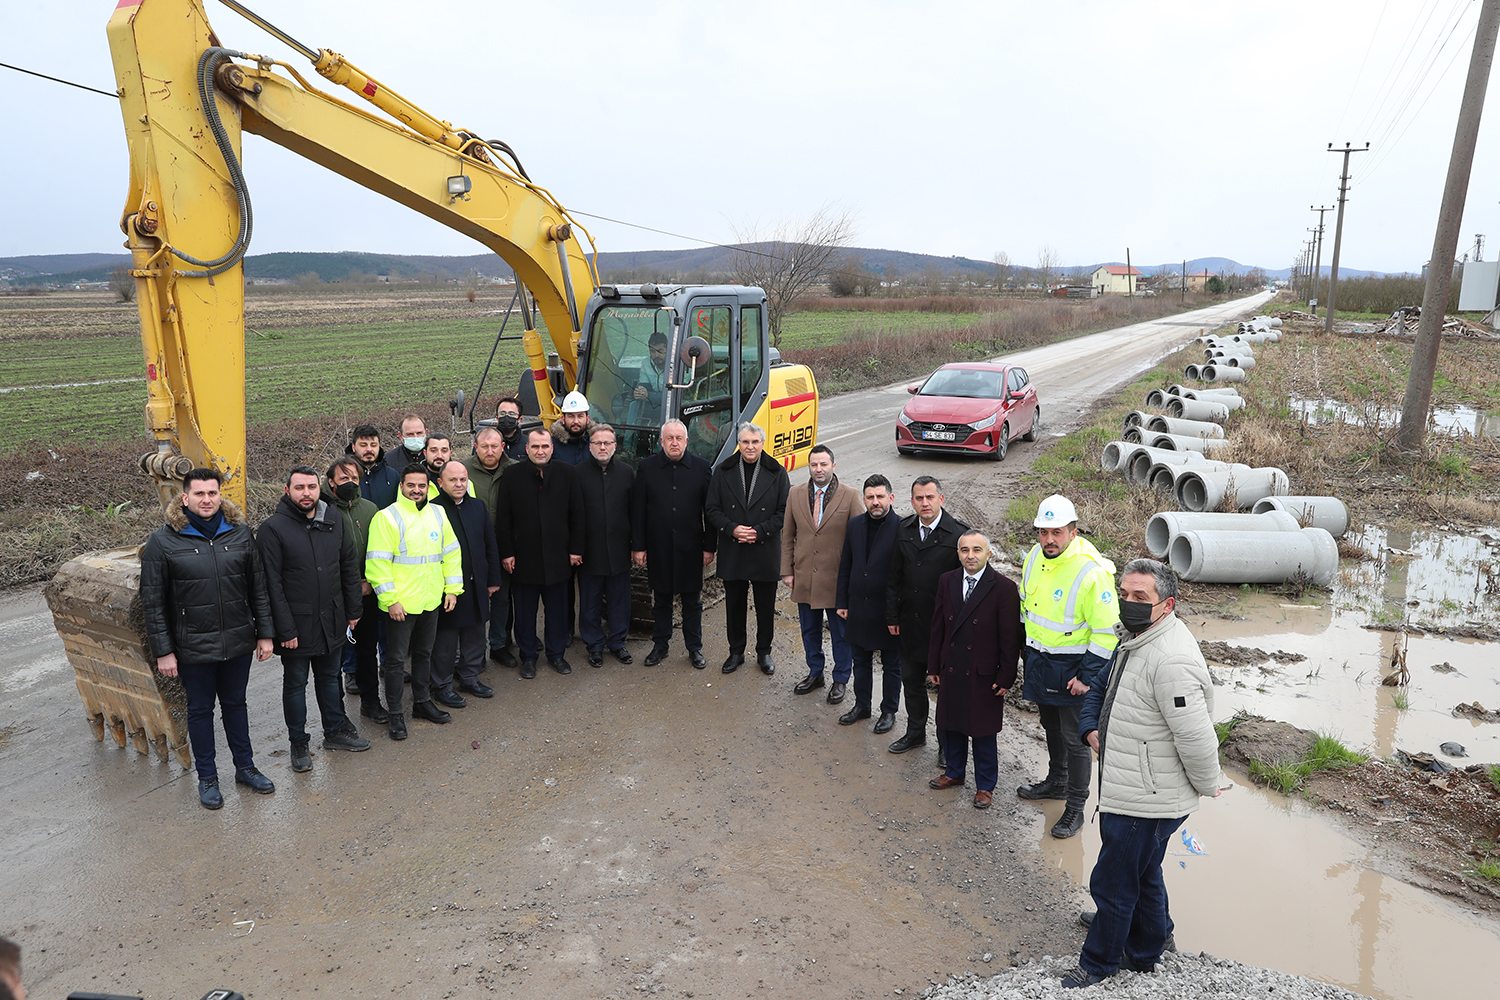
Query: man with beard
[(486, 466), (460, 644), (812, 542), (864, 564), (673, 539), (377, 480), (313, 577), (342, 491), (570, 437), (508, 423)]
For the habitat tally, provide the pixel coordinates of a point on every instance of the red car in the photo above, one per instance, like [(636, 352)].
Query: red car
[(974, 407)]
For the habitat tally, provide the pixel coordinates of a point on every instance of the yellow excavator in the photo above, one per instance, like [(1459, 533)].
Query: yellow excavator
[(186, 99)]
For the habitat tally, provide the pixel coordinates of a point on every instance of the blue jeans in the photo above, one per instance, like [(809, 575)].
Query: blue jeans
[(601, 599), (864, 677), (224, 681), (986, 758), (330, 695), (1133, 923), (811, 619)]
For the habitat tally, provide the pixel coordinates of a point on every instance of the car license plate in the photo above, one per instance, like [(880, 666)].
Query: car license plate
[(940, 435)]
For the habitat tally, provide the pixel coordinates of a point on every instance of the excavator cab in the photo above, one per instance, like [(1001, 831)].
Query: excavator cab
[(638, 370)]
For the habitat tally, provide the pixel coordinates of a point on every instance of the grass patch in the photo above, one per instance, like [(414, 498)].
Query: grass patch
[(1328, 753), (1488, 869), (1401, 700), (1493, 773), (1224, 730)]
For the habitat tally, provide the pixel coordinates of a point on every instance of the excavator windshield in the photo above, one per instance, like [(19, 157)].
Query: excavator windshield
[(629, 373)]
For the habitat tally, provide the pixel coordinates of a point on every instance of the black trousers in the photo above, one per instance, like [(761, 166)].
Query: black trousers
[(1069, 759), (457, 650), (692, 619), (736, 610), (554, 598), (412, 637), (366, 650), (914, 684)]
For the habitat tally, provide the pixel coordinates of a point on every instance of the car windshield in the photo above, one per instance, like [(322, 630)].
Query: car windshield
[(966, 382)]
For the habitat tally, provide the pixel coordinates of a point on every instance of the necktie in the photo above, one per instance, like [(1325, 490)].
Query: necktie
[(924, 530), (969, 582), (818, 508)]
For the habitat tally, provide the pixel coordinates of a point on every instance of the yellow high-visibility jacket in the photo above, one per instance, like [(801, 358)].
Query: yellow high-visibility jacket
[(413, 557), (1070, 609)]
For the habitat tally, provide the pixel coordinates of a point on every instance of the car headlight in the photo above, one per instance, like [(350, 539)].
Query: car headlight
[(904, 420), (988, 421)]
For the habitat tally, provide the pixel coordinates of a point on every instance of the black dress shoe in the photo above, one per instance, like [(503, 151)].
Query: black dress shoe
[(395, 725), (596, 658), (528, 669), (427, 710), (372, 710), (697, 659), (809, 683), (623, 655), (942, 756), (766, 666), (852, 716), (1046, 789), (504, 657), (450, 698), (209, 795), (885, 723), (836, 693), (657, 654), (909, 742), (561, 665), (258, 782), (733, 662), (478, 690)]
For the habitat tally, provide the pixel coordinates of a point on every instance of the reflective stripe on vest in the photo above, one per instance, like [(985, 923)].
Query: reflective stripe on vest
[(401, 558), (1070, 620)]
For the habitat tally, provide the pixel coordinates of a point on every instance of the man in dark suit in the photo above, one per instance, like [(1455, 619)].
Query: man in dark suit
[(972, 656), (747, 506), (926, 548), (864, 565), (459, 645), (539, 531), (672, 539), (604, 577)]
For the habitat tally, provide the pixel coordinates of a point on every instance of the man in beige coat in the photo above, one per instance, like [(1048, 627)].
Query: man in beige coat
[(812, 542)]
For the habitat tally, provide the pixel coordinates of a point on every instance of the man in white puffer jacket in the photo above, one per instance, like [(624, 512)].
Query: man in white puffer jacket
[(1150, 722)]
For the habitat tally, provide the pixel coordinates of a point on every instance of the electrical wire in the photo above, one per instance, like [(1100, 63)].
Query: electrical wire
[(58, 79), (678, 236), (1385, 152)]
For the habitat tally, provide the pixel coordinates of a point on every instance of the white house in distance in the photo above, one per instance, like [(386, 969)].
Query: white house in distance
[(1116, 279)]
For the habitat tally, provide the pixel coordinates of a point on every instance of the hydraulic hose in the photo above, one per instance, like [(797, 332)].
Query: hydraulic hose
[(207, 64)]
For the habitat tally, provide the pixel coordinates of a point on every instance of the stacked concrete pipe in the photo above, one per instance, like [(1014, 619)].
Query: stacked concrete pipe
[(1255, 556), (1198, 409), (1164, 477), (1328, 513), (1221, 373), (1183, 442), (1185, 428), (1117, 456), (1208, 491), (1162, 530), (1194, 372)]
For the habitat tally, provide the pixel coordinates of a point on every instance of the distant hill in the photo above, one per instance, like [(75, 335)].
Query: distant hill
[(698, 264)]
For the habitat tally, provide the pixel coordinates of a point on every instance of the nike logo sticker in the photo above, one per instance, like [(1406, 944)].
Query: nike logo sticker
[(798, 415)]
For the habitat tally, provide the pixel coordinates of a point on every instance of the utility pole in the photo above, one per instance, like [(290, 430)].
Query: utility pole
[(1445, 240), (1181, 299), (1318, 254), (1338, 230), (1129, 285), (1478, 247)]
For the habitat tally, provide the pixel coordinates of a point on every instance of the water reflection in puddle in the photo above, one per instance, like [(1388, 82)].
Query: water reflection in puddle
[(1454, 421)]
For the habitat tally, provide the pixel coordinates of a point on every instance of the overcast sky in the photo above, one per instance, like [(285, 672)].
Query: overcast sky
[(1175, 129)]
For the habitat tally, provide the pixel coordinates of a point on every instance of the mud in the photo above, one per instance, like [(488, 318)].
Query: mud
[(1240, 656)]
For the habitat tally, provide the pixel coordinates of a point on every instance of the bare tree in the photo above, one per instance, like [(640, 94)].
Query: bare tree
[(1002, 270), (122, 283), (791, 259), (1046, 266)]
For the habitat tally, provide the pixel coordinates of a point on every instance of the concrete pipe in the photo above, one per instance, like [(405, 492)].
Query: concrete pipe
[(1232, 351), (1238, 487), (1186, 428), (1163, 476), (1328, 513), (1134, 434), (1240, 361), (1183, 442), (1198, 409), (1164, 528), (1156, 399), (1176, 390), (1215, 392), (1116, 454), (1255, 556), (1143, 460), (1193, 372), (1135, 418), (1222, 373), (1228, 398), (1272, 321)]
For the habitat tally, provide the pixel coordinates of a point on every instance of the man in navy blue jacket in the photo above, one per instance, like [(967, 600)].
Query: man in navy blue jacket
[(869, 540)]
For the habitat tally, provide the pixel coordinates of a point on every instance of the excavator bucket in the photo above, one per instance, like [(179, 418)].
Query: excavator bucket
[(96, 606)]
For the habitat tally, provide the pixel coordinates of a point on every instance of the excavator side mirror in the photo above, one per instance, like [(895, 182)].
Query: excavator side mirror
[(694, 351), (456, 404)]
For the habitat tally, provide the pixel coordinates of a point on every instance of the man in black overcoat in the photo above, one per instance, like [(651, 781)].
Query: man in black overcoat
[(459, 645), (604, 577), (672, 539), (926, 548), (864, 565), (539, 533), (747, 507), (972, 656)]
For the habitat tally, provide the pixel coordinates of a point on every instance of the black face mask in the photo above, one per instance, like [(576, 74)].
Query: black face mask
[(507, 423), (347, 492), (1136, 615)]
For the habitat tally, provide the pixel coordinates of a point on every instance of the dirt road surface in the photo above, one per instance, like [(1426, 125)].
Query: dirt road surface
[(612, 833)]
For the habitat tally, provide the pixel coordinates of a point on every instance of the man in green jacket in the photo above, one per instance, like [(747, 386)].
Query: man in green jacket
[(342, 490), (485, 467)]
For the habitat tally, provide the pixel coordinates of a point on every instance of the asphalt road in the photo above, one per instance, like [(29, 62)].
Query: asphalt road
[(611, 833)]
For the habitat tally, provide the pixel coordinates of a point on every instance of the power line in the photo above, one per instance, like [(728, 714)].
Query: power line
[(57, 79)]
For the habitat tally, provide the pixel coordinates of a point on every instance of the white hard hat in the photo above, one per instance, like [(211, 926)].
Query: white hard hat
[(575, 402), (1055, 512)]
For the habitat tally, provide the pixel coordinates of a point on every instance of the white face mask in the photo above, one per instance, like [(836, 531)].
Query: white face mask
[(414, 443)]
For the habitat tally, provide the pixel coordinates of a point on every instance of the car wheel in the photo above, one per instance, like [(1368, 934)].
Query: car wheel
[(1036, 426), (1002, 443)]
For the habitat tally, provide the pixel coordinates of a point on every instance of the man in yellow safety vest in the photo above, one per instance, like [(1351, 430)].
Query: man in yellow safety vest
[(1070, 607)]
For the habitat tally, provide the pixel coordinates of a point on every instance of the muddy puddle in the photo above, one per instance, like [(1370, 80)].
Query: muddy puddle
[(1454, 421), (1281, 885)]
